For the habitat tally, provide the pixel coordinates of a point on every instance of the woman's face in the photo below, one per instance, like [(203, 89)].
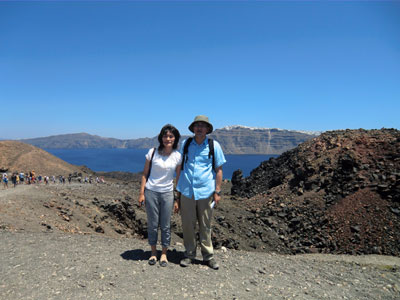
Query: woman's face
[(168, 139)]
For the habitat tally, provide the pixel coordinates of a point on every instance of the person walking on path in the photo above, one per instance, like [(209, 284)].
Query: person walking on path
[(14, 179), (5, 180), (157, 189), (22, 177), (200, 189)]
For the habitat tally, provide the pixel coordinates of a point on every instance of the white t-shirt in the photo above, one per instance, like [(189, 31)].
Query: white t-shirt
[(162, 171)]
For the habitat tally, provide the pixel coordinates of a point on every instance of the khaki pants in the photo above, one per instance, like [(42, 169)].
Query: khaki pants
[(193, 211)]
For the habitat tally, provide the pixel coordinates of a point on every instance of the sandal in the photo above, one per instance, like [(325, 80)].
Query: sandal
[(152, 261), (163, 263), (163, 260)]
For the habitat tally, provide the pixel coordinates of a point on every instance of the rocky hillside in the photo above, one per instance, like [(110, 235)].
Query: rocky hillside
[(233, 139), (21, 157), (337, 193)]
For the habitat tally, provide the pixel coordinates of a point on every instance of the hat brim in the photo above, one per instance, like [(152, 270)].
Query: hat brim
[(210, 127)]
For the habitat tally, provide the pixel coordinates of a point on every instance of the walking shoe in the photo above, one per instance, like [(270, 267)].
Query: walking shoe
[(186, 262), (212, 264)]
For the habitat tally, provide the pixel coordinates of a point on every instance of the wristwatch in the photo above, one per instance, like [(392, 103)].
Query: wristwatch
[(218, 193)]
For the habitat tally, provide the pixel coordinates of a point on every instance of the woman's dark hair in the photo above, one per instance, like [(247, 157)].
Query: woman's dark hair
[(171, 129)]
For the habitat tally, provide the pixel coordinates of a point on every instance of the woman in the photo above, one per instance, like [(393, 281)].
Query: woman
[(157, 189)]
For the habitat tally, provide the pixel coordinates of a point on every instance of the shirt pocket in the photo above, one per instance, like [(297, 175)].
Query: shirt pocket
[(203, 158)]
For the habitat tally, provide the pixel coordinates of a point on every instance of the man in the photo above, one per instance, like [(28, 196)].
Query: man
[(199, 188)]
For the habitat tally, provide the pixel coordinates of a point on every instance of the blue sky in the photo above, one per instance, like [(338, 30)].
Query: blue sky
[(124, 69)]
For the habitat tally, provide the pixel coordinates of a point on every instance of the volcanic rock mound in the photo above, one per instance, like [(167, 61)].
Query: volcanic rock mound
[(337, 193), (21, 157)]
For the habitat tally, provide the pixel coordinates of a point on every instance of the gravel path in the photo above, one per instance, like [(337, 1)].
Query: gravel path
[(57, 266)]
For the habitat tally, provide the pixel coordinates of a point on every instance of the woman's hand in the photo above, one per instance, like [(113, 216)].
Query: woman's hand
[(142, 199)]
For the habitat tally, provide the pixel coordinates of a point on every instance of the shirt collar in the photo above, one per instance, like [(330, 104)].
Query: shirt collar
[(205, 142)]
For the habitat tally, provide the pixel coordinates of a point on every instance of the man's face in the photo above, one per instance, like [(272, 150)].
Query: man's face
[(200, 129)]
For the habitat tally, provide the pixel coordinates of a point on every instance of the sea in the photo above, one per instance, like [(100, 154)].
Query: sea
[(132, 160)]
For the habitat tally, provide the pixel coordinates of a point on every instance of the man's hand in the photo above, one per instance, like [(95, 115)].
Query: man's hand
[(177, 206), (216, 198)]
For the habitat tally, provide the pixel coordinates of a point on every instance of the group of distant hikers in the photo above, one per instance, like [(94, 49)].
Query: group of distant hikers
[(31, 178), (19, 178)]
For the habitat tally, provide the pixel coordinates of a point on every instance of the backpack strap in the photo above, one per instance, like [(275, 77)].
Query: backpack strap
[(151, 162), (185, 151), (211, 153)]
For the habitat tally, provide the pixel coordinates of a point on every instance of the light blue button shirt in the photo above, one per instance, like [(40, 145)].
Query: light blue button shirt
[(198, 179)]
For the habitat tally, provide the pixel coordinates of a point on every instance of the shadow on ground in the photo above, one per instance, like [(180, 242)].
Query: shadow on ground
[(173, 256)]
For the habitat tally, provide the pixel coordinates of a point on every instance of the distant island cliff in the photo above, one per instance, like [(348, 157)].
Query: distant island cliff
[(233, 139), (248, 140)]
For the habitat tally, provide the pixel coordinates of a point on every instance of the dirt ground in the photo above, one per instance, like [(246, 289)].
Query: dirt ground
[(83, 241)]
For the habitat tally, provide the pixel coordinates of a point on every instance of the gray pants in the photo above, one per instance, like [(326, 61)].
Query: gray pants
[(158, 209)]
